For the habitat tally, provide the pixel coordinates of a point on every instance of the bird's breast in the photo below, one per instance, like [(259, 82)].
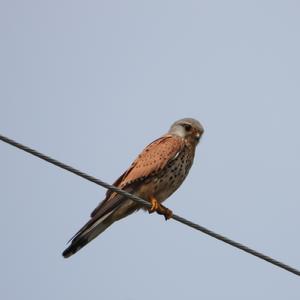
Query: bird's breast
[(166, 182)]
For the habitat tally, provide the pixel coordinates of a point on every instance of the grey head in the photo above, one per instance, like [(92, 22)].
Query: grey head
[(187, 128)]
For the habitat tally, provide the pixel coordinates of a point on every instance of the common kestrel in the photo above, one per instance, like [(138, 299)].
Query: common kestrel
[(154, 175)]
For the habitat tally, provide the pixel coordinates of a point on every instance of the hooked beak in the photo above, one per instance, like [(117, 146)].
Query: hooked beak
[(197, 137)]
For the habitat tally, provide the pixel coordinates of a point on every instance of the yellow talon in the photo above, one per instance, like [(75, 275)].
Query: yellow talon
[(154, 205), (160, 209)]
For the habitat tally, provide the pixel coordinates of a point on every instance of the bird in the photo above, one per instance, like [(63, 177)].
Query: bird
[(154, 175)]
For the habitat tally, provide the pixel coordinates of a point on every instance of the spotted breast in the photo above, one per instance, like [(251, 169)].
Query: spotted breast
[(172, 176)]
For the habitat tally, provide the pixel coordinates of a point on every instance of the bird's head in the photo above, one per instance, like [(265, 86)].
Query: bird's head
[(189, 129)]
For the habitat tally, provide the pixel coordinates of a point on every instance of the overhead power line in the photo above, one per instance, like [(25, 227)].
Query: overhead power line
[(147, 204)]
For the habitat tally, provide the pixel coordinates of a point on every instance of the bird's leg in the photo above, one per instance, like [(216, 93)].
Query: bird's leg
[(159, 208), (154, 205)]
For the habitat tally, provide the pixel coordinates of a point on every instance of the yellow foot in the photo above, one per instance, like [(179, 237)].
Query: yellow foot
[(154, 205), (160, 209)]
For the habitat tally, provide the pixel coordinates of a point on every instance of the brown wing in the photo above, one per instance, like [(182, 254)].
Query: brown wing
[(153, 158)]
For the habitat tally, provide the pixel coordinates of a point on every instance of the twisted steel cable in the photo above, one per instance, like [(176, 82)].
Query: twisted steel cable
[(147, 204)]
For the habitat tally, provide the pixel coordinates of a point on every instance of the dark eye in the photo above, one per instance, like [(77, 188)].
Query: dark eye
[(187, 127)]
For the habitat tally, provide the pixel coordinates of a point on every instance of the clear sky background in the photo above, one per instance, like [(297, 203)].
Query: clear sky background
[(91, 83)]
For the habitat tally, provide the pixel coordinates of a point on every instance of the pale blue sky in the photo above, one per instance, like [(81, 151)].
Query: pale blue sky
[(91, 83)]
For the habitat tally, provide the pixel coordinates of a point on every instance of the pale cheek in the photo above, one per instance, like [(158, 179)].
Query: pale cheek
[(180, 131)]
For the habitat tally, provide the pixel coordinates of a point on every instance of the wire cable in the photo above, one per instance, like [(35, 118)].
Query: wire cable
[(147, 204)]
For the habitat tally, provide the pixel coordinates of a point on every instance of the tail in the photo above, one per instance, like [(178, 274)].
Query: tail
[(87, 233)]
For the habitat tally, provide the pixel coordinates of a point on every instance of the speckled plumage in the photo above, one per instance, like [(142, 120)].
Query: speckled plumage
[(156, 173)]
